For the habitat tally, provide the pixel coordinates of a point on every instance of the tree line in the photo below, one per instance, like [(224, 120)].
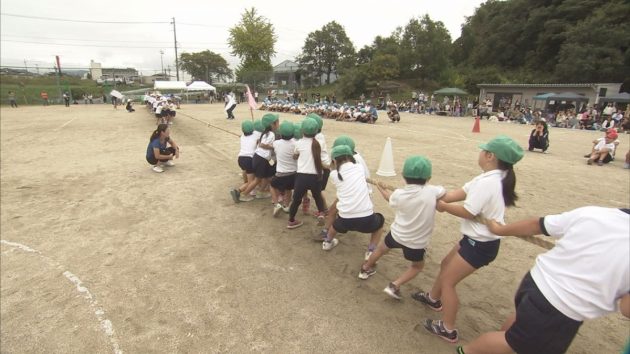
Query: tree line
[(524, 41)]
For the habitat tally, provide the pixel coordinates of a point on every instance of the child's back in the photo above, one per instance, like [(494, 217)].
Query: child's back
[(415, 212)]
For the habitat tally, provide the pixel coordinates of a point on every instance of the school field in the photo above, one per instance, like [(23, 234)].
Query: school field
[(99, 254)]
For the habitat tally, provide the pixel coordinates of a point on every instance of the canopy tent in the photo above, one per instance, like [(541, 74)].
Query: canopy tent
[(200, 86), (543, 97), (116, 94), (451, 91), (169, 85), (622, 97), (568, 96)]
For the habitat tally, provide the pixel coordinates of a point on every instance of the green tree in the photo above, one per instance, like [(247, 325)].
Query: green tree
[(327, 51), (205, 65), (253, 41), (425, 48)]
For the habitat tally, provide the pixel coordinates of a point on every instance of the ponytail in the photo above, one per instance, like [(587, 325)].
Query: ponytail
[(316, 150), (508, 183), (156, 133), (340, 161)]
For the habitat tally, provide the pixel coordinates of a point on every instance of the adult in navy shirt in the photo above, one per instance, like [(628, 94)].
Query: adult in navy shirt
[(158, 154)]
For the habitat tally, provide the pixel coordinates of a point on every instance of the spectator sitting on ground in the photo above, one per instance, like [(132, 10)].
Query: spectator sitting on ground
[(539, 137), (607, 124), (393, 114), (603, 149), (129, 107)]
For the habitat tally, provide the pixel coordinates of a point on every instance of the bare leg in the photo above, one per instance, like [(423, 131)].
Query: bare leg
[(455, 271), (410, 273), (436, 291), (374, 239), (375, 256), (489, 343)]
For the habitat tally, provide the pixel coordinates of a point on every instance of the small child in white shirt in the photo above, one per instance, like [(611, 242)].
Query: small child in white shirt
[(412, 227)]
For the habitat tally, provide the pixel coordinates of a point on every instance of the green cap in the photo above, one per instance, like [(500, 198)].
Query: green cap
[(344, 140), (504, 148), (286, 129), (247, 127), (297, 130), (318, 119), (268, 119), (340, 150), (258, 126), (418, 167), (309, 126)]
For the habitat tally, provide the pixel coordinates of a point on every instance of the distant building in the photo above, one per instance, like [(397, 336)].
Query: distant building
[(150, 80), (501, 94), (124, 75)]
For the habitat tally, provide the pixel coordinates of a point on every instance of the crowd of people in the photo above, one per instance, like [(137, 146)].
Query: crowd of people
[(361, 112), (162, 107)]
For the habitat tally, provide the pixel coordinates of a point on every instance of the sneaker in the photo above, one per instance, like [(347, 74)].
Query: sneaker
[(392, 291), (286, 209), (328, 245), (600, 163), (589, 162), (437, 327), (423, 297), (263, 195), (321, 219), (306, 205), (626, 165), (545, 152), (243, 198), (294, 224), (169, 163), (276, 209), (587, 156), (158, 169), (367, 255), (364, 274), (235, 195)]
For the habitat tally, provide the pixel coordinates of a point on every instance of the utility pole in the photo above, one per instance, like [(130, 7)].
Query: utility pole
[(161, 60), (37, 66), (25, 68), (176, 59)]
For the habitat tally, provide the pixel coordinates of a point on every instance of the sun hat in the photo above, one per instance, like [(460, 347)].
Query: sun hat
[(611, 133), (258, 126), (504, 148), (340, 150), (297, 130), (286, 129), (310, 126), (247, 127), (418, 167), (344, 140), (318, 119), (268, 119)]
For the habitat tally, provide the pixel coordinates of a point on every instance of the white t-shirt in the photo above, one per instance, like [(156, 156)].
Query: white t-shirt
[(352, 193), (305, 163), (266, 139), (484, 196), (588, 270), (601, 143), (359, 159), (248, 144), (322, 143), (284, 155), (415, 211), (158, 109)]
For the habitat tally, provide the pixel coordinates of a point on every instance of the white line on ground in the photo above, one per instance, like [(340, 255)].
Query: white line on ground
[(66, 123), (105, 324)]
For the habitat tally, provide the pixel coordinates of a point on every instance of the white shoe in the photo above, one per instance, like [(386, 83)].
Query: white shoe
[(169, 163), (276, 209), (158, 169), (327, 246)]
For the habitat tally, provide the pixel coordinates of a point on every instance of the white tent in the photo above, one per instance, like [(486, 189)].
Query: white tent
[(169, 85), (200, 86)]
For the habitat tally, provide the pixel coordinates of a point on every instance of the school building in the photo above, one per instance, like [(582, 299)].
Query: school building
[(509, 95)]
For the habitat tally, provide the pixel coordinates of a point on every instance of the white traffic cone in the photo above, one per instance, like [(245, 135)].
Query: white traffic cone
[(386, 167)]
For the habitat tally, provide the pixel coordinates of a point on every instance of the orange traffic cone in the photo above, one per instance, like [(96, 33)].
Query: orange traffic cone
[(476, 126)]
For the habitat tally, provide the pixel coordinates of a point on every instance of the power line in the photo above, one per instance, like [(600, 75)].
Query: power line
[(103, 40), (102, 46), (84, 21)]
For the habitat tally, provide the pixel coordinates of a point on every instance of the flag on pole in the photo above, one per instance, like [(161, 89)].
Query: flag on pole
[(250, 99)]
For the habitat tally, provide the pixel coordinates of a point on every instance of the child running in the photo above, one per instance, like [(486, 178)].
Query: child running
[(486, 195), (309, 171), (249, 141), (286, 167), (412, 227), (356, 212)]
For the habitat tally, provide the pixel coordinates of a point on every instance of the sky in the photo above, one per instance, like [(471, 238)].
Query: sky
[(200, 25)]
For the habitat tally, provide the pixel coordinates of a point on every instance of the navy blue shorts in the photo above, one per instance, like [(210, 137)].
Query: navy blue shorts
[(411, 254), (283, 183), (262, 168), (539, 327), (246, 164), (366, 224), (478, 254)]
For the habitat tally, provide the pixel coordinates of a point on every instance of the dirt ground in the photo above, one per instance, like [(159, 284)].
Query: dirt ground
[(100, 254)]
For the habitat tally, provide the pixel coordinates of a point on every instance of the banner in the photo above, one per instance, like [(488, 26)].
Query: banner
[(250, 99)]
